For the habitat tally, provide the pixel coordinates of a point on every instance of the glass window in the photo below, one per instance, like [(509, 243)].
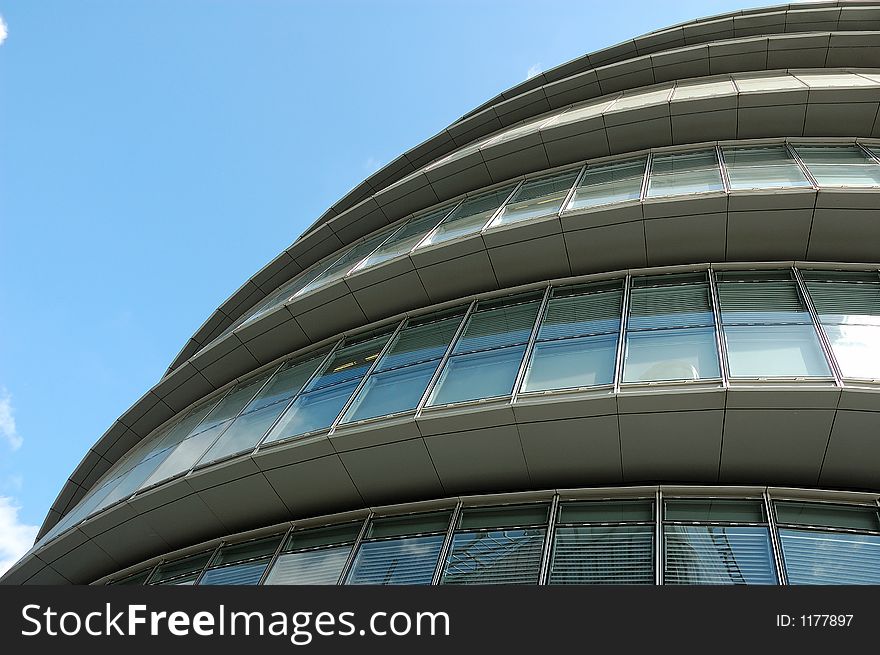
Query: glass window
[(261, 412), (846, 517), (848, 305), (762, 168), (241, 564), (486, 359), (326, 394), (400, 550), (469, 217), (670, 330), (406, 238), (314, 556), (347, 262), (539, 197), (577, 341), (604, 184), (716, 553), (603, 542), (405, 370), (840, 166), (681, 173), (181, 571)]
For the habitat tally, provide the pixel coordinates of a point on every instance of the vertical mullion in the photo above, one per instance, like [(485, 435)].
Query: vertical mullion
[(775, 541), (530, 344), (868, 153), (544, 575), (447, 542), (370, 254), (446, 355), (658, 539), (817, 325), (274, 557), (621, 332), (501, 207), (354, 548), (643, 193), (720, 344), (150, 574), (208, 563), (305, 385), (793, 153), (363, 381), (722, 167), (572, 190)]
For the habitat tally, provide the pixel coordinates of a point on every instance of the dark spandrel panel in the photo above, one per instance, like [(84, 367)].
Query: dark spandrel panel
[(409, 561), (670, 307), (312, 411), (495, 557), (248, 573), (285, 384), (311, 567), (192, 564), (717, 555), (761, 303), (606, 511), (396, 526), (499, 517), (391, 392), (828, 516), (406, 238), (247, 550), (573, 316), (486, 374), (325, 536), (572, 363), (498, 327), (733, 511), (826, 558), (603, 555), (420, 343)]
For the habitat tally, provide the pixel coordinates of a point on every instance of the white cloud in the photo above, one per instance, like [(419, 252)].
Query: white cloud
[(534, 69), (3, 30), (7, 421), (16, 538)]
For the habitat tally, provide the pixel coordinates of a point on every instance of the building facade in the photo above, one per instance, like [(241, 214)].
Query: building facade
[(619, 324)]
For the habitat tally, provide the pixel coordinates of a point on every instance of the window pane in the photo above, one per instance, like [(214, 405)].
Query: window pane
[(239, 574), (606, 511), (609, 183), (348, 363), (185, 455), (734, 511), (345, 263), (286, 383), (312, 411), (775, 351), (535, 198), (494, 328), (420, 343), (717, 555), (683, 173), (603, 555), (469, 217), (232, 403), (247, 550), (761, 156), (767, 177), (761, 302), (678, 354), (499, 517), (857, 301), (593, 313), (395, 526), (398, 390), (244, 434), (410, 560), (813, 557), (684, 305), (405, 239), (188, 565), (496, 557), (857, 349), (479, 375), (312, 567), (572, 363), (840, 166), (324, 536), (829, 516)]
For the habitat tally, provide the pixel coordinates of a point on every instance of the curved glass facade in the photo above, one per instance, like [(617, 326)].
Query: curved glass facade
[(708, 327), (669, 173), (641, 536)]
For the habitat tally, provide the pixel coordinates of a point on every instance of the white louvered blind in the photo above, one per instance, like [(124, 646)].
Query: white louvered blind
[(409, 560), (603, 555), (718, 555), (311, 567), (495, 557)]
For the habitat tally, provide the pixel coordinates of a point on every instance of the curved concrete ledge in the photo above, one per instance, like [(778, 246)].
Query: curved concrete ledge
[(761, 434)]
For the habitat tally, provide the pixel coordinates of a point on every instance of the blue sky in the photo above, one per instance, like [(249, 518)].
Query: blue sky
[(156, 153)]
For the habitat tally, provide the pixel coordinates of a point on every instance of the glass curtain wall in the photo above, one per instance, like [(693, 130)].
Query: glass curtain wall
[(314, 556)]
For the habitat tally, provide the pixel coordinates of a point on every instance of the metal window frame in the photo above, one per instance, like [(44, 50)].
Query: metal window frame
[(824, 342), (549, 538), (622, 333), (530, 345), (447, 543), (349, 562), (775, 539), (720, 342)]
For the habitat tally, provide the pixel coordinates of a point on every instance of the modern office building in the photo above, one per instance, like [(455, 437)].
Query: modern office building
[(618, 324)]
